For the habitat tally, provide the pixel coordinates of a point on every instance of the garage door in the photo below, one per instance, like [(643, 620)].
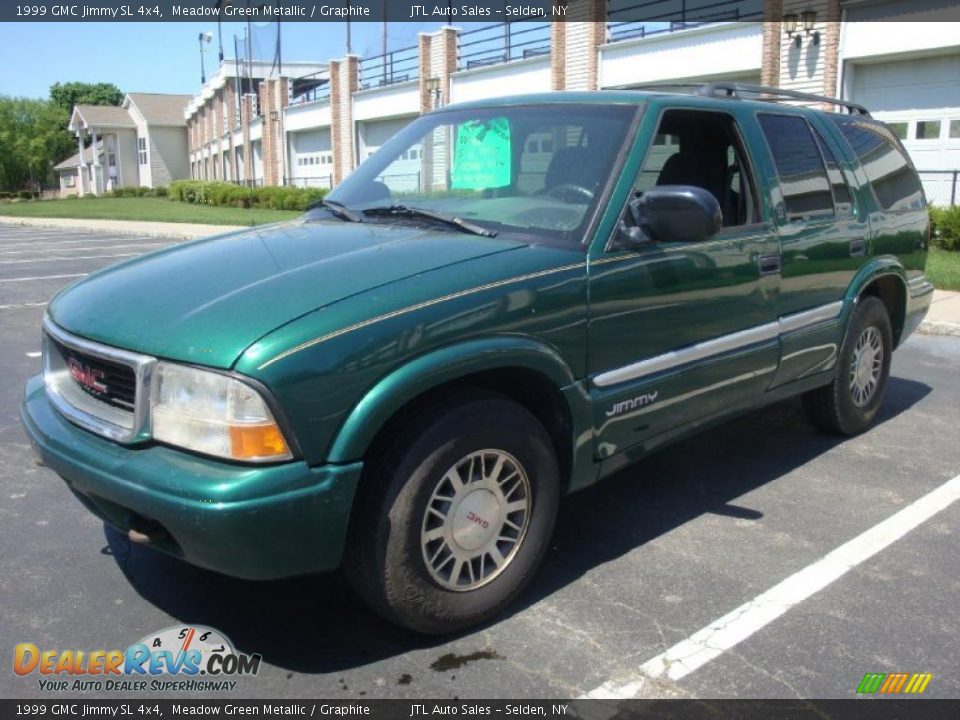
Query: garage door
[(920, 99), (311, 159), (375, 134)]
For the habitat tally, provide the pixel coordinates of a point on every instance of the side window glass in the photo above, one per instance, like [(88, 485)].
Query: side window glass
[(838, 182), (703, 149), (803, 177), (895, 183)]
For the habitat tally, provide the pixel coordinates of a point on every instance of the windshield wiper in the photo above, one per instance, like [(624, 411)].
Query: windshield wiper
[(338, 210), (454, 221)]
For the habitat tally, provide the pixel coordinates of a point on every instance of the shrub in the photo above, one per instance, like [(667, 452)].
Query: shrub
[(160, 191), (24, 194), (945, 227), (224, 194)]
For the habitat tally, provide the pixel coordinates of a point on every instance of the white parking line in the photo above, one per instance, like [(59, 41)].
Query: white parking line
[(24, 251), (42, 277), (78, 257), (736, 626), (22, 305), (34, 354)]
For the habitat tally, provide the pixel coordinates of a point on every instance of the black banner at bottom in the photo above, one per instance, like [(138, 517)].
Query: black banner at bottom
[(860, 709)]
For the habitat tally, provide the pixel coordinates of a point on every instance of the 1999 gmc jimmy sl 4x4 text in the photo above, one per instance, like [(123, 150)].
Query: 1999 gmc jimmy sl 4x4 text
[(507, 302)]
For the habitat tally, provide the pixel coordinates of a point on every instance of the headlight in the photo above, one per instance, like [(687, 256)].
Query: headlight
[(214, 414)]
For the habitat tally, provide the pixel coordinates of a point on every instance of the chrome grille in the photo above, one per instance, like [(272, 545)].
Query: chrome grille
[(100, 388)]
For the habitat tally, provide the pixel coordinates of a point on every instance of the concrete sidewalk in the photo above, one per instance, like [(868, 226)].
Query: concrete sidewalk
[(183, 231), (943, 317)]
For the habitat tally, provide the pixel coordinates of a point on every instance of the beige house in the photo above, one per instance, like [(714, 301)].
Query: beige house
[(143, 142)]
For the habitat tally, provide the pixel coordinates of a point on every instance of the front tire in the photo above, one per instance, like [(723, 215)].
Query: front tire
[(849, 404), (455, 515)]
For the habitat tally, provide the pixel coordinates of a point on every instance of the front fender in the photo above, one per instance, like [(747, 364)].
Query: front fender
[(436, 368)]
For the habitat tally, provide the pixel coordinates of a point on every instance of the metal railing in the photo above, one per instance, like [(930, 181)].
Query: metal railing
[(396, 66), (502, 42), (310, 88), (643, 18), (311, 181), (942, 187)]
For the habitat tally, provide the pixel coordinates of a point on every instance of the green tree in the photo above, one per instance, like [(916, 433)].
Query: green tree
[(66, 95)]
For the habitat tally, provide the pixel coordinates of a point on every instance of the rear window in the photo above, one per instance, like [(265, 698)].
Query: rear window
[(803, 178), (894, 181)]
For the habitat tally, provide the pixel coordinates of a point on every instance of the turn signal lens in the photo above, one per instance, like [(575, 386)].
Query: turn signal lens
[(214, 414)]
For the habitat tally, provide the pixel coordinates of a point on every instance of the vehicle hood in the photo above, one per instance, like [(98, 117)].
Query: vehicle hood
[(206, 301)]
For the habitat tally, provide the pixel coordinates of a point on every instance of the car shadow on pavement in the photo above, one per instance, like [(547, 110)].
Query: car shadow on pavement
[(316, 625)]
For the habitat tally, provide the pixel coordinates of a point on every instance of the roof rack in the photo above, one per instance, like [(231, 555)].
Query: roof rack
[(735, 90)]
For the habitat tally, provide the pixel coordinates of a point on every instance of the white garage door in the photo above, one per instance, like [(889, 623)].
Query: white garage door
[(920, 99), (311, 158), (375, 134)]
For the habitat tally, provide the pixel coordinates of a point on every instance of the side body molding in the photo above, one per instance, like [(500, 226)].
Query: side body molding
[(435, 368)]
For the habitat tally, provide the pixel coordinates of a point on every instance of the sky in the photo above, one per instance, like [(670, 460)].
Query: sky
[(161, 57)]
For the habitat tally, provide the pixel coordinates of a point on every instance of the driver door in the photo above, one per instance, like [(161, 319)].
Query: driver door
[(683, 331)]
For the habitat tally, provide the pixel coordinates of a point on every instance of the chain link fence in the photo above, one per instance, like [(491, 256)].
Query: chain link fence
[(942, 187)]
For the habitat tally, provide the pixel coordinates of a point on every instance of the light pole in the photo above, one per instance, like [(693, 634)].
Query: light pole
[(204, 37)]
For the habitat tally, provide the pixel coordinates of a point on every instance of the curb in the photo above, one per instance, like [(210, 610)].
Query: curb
[(939, 327)]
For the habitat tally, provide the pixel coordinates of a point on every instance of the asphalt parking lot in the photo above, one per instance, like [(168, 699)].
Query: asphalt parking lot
[(638, 564)]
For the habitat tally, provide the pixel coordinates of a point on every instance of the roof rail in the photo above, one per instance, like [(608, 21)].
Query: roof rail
[(736, 90)]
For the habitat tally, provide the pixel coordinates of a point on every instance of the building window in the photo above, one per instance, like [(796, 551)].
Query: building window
[(899, 129), (927, 130), (955, 129), (142, 150), (69, 180)]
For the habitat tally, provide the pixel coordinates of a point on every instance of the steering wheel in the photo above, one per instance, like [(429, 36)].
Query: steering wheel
[(568, 192)]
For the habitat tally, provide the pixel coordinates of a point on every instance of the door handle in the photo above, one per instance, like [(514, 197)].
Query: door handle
[(858, 247), (769, 264)]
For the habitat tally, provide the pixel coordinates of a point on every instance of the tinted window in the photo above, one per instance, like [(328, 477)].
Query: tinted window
[(803, 178), (885, 164), (841, 193)]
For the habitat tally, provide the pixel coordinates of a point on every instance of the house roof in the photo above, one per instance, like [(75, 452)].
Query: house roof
[(71, 162), (160, 108), (101, 116)]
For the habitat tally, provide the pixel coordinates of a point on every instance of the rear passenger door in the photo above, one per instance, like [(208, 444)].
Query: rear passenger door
[(824, 238)]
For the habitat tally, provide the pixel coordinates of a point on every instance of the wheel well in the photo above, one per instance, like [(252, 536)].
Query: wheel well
[(889, 289), (529, 388)]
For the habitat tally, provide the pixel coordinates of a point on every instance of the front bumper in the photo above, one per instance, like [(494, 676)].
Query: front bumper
[(251, 522)]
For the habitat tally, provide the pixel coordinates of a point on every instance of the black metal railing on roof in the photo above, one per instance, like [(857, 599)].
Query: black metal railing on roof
[(502, 42), (642, 18), (396, 66)]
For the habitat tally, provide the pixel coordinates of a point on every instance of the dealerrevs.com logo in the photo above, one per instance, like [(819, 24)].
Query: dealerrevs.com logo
[(186, 659)]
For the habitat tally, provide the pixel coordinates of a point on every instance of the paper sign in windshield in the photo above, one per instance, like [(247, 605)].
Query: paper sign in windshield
[(481, 157)]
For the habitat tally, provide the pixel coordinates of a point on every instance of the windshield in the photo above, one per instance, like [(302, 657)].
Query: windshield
[(531, 170)]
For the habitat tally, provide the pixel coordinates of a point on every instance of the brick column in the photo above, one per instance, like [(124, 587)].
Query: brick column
[(424, 41), (831, 41), (582, 38), (246, 111), (273, 97), (558, 53), (344, 81), (772, 34)]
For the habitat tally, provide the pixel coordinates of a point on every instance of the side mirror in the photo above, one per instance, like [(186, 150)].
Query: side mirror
[(672, 213)]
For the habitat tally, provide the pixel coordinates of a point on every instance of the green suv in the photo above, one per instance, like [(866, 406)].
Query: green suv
[(509, 301)]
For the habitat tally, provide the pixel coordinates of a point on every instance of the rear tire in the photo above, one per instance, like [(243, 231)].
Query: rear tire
[(455, 515), (849, 404)]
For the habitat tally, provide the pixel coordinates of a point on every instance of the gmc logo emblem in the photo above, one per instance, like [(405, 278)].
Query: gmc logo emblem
[(87, 377), (473, 517)]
